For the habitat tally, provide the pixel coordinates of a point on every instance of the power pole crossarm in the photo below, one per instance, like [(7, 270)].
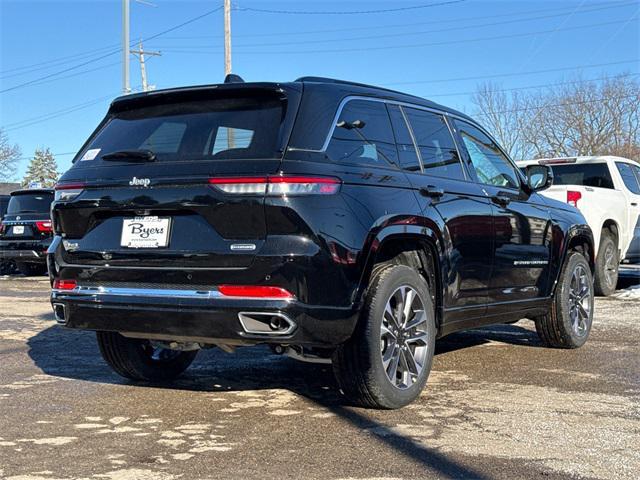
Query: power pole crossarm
[(140, 53)]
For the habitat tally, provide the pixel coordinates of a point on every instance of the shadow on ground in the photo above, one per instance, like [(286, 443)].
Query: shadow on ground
[(74, 355)]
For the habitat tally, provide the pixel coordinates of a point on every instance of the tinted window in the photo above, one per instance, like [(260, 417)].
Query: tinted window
[(628, 177), (369, 141), (587, 174), (4, 202), (436, 145), (200, 130), (491, 165), (30, 203), (406, 150)]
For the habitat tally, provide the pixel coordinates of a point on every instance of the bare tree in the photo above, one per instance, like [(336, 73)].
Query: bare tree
[(575, 118), (9, 155)]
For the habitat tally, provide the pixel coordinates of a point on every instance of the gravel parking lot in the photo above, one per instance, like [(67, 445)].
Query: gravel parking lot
[(497, 405)]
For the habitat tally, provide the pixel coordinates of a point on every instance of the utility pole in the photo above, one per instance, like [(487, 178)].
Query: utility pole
[(126, 87), (140, 53), (231, 140), (227, 37)]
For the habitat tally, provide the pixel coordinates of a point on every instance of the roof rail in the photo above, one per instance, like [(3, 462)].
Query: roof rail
[(346, 82)]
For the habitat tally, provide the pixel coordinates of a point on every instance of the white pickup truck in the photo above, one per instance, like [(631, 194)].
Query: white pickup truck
[(606, 190)]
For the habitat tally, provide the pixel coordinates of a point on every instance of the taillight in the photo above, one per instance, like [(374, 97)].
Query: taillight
[(44, 226), (285, 185), (64, 284), (573, 197), (255, 291), (67, 191), (2, 227)]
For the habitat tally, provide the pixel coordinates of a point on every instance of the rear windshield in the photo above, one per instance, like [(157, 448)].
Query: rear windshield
[(586, 174), (30, 203), (227, 128)]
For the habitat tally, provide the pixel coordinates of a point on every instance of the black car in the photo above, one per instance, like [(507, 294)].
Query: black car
[(334, 221), (25, 231)]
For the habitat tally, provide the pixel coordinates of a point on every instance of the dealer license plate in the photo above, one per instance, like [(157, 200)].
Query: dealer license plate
[(145, 232)]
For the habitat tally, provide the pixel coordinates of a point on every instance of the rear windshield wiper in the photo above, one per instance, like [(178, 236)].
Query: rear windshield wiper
[(131, 155)]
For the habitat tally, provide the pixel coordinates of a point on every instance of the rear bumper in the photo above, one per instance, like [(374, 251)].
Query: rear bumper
[(199, 317), (32, 252)]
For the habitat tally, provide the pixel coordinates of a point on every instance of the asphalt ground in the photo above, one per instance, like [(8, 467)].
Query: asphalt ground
[(497, 405)]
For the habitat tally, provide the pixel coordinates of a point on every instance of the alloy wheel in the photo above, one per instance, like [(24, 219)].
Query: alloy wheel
[(580, 301), (403, 337)]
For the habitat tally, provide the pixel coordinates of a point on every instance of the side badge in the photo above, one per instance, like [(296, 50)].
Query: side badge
[(243, 247)]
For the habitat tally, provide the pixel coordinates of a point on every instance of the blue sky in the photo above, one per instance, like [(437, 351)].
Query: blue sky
[(441, 52)]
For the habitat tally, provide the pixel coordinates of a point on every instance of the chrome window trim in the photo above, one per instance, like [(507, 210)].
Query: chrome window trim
[(349, 98)]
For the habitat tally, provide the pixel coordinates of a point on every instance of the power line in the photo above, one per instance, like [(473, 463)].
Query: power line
[(565, 104), (512, 74), (394, 47), (530, 87), (171, 29), (353, 12), (403, 34), (52, 63), (55, 114), (605, 5)]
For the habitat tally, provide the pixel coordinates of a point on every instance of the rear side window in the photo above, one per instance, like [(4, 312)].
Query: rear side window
[(407, 155), (30, 203), (628, 177), (586, 174), (225, 128), (436, 145), (363, 135)]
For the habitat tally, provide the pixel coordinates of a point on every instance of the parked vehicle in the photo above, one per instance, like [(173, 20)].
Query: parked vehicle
[(334, 221), (606, 190), (6, 266), (25, 231)]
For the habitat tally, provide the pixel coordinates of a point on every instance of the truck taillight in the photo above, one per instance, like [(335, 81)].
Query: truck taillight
[(67, 191), (573, 197), (44, 226), (284, 185)]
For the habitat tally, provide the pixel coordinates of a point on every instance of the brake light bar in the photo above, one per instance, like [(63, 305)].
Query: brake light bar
[(64, 284), (557, 161), (44, 226), (67, 191), (573, 197), (255, 291), (281, 185)]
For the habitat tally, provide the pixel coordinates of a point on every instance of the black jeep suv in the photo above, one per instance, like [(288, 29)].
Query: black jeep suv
[(334, 221), (25, 230)]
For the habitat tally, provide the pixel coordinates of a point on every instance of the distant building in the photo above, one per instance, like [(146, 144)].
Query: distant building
[(6, 187)]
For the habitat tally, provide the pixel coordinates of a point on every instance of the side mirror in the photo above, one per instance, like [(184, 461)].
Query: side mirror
[(539, 177)]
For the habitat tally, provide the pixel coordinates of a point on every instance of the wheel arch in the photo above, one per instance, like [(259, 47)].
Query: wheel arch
[(426, 247), (579, 238)]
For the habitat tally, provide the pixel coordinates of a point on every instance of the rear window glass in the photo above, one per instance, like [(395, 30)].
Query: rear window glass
[(586, 174), (227, 128), (30, 203)]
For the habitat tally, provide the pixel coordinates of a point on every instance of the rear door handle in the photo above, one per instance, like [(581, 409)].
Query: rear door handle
[(501, 200), (634, 204), (431, 191)]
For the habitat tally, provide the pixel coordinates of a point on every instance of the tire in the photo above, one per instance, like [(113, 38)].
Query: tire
[(358, 364), (607, 264), (139, 360), (31, 269), (567, 325)]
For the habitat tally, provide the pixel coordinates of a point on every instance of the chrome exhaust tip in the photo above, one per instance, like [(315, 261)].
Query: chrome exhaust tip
[(266, 323), (59, 313)]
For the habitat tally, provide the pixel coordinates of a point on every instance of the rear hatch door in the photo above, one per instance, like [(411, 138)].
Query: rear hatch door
[(143, 187), (27, 217)]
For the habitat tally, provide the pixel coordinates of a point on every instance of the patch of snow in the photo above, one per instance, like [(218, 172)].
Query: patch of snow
[(630, 293)]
